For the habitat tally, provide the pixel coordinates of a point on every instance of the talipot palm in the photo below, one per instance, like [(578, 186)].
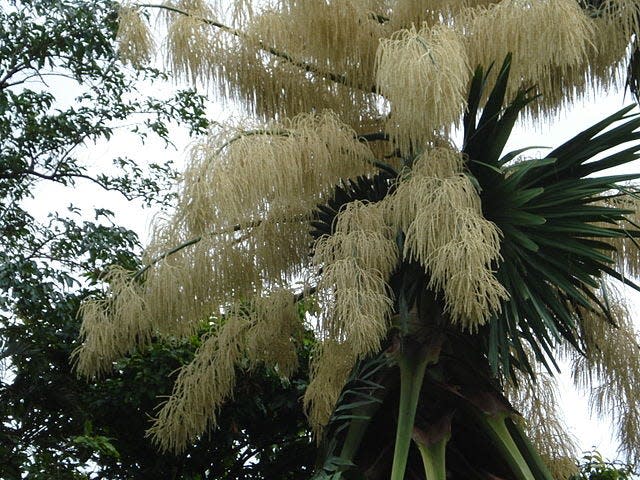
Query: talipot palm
[(446, 280), (560, 229)]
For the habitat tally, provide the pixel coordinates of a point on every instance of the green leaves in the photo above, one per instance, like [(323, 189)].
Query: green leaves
[(359, 401), (486, 139), (63, 88), (555, 218), (95, 443), (593, 466)]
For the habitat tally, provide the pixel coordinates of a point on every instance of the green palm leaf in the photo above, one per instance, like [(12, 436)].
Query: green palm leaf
[(555, 225)]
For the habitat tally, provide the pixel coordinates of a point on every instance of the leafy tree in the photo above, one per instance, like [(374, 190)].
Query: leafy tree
[(55, 425), (594, 467), (449, 278)]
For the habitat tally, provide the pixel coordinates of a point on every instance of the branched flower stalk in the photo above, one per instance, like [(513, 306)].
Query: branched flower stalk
[(306, 67), (445, 276)]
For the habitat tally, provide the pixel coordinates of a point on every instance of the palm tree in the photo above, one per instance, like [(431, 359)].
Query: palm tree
[(443, 282), (560, 230)]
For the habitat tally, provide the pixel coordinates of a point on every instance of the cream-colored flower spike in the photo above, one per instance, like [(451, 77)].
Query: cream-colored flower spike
[(406, 13), (342, 34), (356, 261), (256, 59), (624, 13), (135, 43), (627, 253), (113, 326), (440, 213), (243, 222), (605, 72), (190, 42), (546, 38), (354, 299), (202, 386), (285, 168), (424, 75), (331, 364), (275, 332), (264, 331), (284, 58)]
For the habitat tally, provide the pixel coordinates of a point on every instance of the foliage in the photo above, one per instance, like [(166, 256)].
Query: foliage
[(73, 426), (72, 47), (594, 467), (62, 89)]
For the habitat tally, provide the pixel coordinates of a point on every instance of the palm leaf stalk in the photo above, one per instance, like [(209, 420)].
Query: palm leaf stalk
[(412, 363), (558, 221), (433, 452)]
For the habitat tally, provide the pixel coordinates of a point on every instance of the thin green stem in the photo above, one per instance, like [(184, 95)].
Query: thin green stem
[(188, 243), (164, 255), (529, 452), (495, 427), (196, 240), (249, 133)]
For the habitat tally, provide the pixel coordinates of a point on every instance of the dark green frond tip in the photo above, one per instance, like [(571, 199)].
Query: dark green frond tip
[(633, 73), (484, 139), (359, 401)]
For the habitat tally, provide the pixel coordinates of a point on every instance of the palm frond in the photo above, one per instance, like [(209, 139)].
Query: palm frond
[(556, 228), (357, 404)]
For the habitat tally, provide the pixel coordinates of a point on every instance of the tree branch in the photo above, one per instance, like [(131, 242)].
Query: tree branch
[(305, 66), (372, 137), (60, 177), (188, 243), (36, 250), (13, 69)]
